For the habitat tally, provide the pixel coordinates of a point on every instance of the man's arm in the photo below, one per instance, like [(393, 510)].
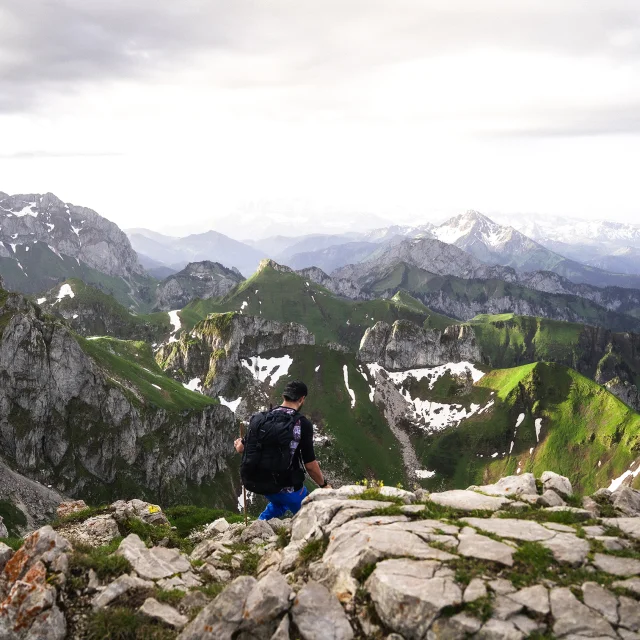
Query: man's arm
[(309, 455), (239, 445), (313, 469)]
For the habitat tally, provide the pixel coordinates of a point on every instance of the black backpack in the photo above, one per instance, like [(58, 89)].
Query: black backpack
[(267, 461)]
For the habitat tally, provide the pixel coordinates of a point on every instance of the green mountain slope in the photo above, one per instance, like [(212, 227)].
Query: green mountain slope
[(91, 312), (353, 441), (585, 432), (35, 268), (132, 365), (282, 295)]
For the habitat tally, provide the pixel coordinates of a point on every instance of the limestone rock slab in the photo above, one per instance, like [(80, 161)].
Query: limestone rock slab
[(408, 596), (318, 615), (163, 612), (525, 530), (477, 546), (616, 565), (554, 481), (573, 617), (509, 486), (468, 500)]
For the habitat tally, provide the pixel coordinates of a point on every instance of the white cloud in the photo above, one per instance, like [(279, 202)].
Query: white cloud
[(204, 114)]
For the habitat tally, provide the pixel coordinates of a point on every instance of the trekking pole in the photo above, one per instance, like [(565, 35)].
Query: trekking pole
[(244, 490)]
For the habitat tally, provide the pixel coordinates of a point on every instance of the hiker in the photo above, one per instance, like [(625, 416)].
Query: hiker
[(276, 451)]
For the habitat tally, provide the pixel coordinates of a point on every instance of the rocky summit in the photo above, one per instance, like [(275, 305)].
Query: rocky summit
[(521, 558)]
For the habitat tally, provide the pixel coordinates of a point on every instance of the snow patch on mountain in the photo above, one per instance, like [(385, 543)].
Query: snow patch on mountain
[(345, 371), (271, 369), (65, 292)]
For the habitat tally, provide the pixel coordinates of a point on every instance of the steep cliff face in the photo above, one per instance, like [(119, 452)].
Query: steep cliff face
[(93, 426), (197, 280), (214, 350), (339, 286), (405, 345)]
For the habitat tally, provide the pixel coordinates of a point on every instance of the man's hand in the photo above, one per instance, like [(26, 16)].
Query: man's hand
[(238, 445)]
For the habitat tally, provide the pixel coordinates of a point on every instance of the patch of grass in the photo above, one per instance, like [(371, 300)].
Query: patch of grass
[(102, 560), (171, 596), (313, 550), (394, 510), (364, 572), (152, 534), (119, 623), (14, 543), (284, 537), (249, 565), (212, 589), (482, 608), (187, 518), (374, 494), (79, 516)]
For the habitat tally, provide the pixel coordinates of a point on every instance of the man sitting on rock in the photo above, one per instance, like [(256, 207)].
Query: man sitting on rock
[(277, 449)]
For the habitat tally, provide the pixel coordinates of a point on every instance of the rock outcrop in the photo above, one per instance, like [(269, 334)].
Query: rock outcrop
[(197, 280), (215, 349), (71, 422), (394, 565), (405, 345)]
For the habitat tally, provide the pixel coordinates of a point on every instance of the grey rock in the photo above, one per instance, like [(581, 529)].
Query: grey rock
[(406, 345), (164, 613), (627, 501), (408, 597), (257, 530), (526, 624), (593, 531), (590, 505), (368, 539), (504, 607), (282, 631), (193, 601), (67, 508), (524, 530), (510, 486), (456, 627), (535, 598), (477, 546), (6, 552), (221, 619), (554, 481), (122, 584), (138, 510), (475, 589), (629, 613), (613, 543), (602, 494), (601, 600), (318, 615), (3, 529), (499, 630), (573, 617), (29, 610), (468, 500), (567, 548), (632, 584), (276, 524), (44, 548), (625, 634), (94, 532), (501, 586), (268, 599), (154, 563), (630, 526), (550, 499), (556, 526), (616, 565)]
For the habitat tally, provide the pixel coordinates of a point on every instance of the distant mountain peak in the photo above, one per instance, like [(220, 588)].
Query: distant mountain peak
[(269, 263)]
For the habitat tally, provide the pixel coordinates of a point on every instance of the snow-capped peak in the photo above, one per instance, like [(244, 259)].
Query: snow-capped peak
[(473, 224)]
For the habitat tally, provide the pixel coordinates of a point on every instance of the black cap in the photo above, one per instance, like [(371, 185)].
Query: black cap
[(294, 390)]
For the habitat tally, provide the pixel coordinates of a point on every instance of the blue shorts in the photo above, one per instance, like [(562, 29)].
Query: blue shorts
[(280, 503)]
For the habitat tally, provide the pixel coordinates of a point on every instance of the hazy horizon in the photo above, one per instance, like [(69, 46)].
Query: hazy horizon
[(322, 116)]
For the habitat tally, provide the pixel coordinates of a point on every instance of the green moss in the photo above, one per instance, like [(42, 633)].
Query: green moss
[(187, 518), (119, 623), (102, 560), (313, 550), (172, 597), (152, 534), (14, 543)]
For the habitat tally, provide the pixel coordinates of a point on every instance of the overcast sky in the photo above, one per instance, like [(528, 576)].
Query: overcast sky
[(315, 114)]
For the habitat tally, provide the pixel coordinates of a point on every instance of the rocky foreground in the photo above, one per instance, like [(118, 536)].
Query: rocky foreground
[(520, 558)]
